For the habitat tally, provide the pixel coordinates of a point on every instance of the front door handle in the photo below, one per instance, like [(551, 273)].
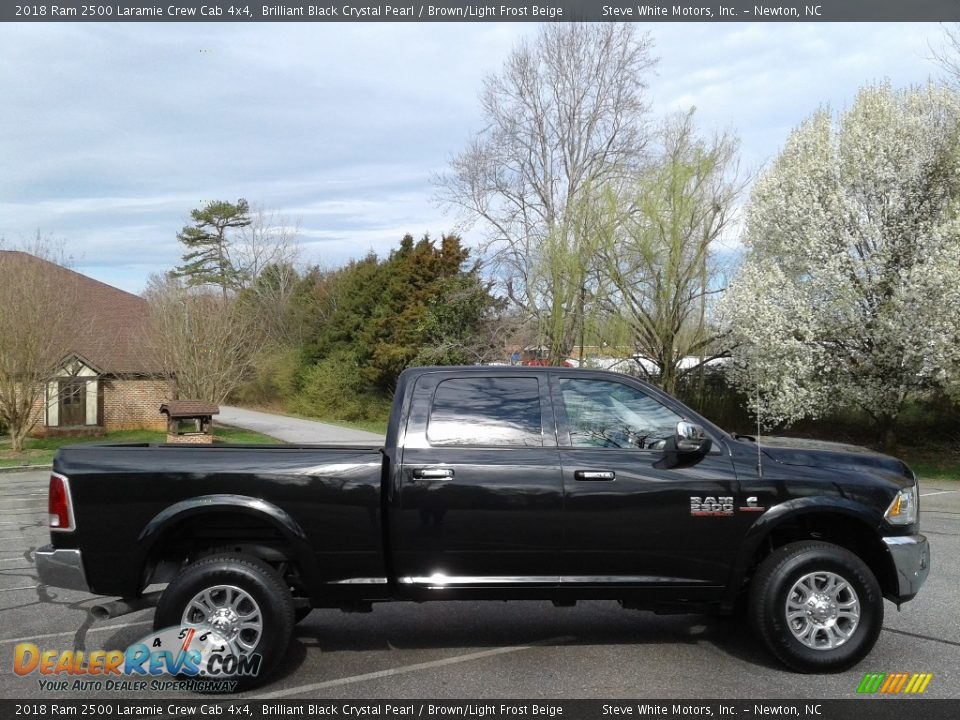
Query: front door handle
[(432, 473), (601, 475)]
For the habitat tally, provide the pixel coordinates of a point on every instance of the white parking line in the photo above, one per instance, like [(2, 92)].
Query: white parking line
[(312, 687), (22, 587), (939, 492), (103, 628)]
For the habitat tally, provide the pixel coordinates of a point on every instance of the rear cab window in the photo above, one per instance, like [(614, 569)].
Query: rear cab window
[(486, 411)]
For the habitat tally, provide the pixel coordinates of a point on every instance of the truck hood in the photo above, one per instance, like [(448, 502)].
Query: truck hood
[(819, 453)]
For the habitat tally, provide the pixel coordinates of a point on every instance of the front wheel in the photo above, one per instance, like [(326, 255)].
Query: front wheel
[(238, 598), (817, 606)]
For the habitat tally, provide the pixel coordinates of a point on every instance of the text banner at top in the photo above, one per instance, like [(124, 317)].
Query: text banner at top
[(504, 11)]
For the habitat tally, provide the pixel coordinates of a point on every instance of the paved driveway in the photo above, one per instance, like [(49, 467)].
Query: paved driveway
[(291, 429)]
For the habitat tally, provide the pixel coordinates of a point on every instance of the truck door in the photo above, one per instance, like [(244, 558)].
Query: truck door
[(630, 517), (480, 501)]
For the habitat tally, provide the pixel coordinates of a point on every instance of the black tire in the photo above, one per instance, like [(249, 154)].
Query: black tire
[(798, 564), (254, 577)]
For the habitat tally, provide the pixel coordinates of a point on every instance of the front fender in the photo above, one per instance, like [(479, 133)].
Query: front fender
[(785, 512)]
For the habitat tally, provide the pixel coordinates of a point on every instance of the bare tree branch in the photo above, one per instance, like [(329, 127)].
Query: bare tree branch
[(36, 328), (205, 343), (564, 116), (659, 245)]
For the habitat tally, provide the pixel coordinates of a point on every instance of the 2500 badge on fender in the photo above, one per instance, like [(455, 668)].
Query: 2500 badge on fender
[(498, 483)]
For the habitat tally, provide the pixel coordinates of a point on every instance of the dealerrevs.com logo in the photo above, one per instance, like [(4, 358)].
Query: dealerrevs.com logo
[(199, 657), (894, 683)]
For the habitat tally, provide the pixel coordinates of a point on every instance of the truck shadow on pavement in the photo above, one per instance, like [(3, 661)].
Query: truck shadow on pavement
[(408, 626), (402, 630)]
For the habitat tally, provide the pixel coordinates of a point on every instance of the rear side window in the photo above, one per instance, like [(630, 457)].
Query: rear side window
[(489, 411)]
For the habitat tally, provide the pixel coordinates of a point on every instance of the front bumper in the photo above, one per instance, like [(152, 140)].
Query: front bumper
[(61, 568), (911, 558)]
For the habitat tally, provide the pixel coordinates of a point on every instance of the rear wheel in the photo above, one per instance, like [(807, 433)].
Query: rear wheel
[(241, 599), (817, 606)]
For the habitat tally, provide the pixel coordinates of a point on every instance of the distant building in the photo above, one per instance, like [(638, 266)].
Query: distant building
[(108, 381)]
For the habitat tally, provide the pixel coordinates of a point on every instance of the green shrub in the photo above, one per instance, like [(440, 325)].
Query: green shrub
[(334, 388), (274, 379)]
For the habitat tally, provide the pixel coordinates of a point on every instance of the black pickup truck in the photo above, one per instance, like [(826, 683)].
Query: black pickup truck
[(499, 483)]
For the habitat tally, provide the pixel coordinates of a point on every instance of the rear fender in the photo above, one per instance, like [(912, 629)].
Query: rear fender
[(162, 524)]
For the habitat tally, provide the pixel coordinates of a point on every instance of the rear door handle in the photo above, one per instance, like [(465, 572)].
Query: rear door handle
[(601, 475), (432, 473)]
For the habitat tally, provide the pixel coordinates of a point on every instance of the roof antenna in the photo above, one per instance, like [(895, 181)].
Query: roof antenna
[(759, 454)]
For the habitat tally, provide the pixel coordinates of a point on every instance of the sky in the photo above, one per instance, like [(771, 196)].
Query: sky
[(110, 134)]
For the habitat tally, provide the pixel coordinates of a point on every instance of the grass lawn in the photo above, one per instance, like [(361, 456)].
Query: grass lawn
[(40, 451), (933, 463)]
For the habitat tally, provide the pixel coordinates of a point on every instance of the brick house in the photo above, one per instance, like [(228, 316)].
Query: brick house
[(108, 381)]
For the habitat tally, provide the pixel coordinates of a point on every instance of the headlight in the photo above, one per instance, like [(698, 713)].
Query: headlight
[(903, 509)]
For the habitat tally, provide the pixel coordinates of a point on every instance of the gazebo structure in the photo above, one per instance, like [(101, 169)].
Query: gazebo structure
[(189, 421)]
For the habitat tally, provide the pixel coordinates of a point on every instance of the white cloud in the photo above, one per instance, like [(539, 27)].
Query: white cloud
[(111, 134)]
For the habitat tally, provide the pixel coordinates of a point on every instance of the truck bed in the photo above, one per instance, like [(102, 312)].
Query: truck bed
[(318, 496)]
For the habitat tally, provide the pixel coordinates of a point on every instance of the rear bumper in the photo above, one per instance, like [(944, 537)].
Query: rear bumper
[(911, 558), (61, 568)]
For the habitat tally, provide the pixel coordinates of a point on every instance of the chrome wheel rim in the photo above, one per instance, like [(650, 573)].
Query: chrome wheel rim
[(231, 613), (823, 610)]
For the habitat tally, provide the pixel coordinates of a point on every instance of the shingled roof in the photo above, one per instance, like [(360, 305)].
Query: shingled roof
[(110, 323), (189, 408)]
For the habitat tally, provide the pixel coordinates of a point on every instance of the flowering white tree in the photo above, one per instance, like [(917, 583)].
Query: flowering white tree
[(849, 294)]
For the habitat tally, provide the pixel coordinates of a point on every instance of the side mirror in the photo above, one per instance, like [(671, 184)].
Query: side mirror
[(688, 446), (691, 439)]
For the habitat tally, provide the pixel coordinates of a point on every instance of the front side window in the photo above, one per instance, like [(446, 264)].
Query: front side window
[(601, 413), (488, 411)]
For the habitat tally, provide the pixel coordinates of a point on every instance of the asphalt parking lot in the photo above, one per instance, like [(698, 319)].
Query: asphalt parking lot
[(497, 650)]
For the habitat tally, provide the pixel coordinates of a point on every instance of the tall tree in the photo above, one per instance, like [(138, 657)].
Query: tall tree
[(849, 294), (270, 298), (265, 256), (205, 343), (340, 305), (660, 247), (267, 242), (429, 297), (207, 241), (425, 303), (565, 114), (37, 324)]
